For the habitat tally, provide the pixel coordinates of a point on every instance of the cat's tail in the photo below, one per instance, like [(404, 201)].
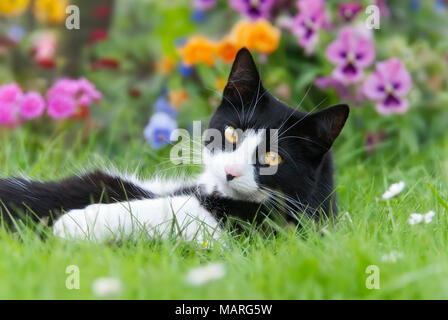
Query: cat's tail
[(21, 198)]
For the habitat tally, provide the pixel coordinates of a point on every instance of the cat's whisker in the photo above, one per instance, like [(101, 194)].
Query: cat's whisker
[(294, 110), (303, 118)]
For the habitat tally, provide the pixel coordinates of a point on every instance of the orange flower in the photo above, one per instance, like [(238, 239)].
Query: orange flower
[(177, 97), (221, 83), (260, 35), (227, 49), (165, 65), (198, 49), (240, 32), (263, 37)]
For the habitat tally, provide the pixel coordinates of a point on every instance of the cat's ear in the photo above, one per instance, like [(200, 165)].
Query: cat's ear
[(244, 80), (323, 127)]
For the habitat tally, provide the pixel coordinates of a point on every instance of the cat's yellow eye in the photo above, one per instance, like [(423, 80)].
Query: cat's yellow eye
[(231, 134), (272, 158)]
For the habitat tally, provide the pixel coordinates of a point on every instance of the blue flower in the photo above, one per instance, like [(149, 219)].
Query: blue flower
[(439, 5), (16, 33), (163, 105), (198, 16), (159, 129), (185, 70), (415, 5)]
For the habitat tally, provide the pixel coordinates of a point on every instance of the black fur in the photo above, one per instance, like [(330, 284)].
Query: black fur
[(21, 198), (306, 173)]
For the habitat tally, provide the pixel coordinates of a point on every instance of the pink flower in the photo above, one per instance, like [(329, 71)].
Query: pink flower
[(44, 49), (253, 9), (10, 93), (61, 107), (350, 53), (32, 105), (8, 114), (80, 93), (308, 21), (388, 85), (349, 11), (88, 90)]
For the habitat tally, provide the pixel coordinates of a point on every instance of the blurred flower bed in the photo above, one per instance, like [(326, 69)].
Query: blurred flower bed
[(168, 61)]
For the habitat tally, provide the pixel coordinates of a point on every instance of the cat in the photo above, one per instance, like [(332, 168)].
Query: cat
[(101, 205)]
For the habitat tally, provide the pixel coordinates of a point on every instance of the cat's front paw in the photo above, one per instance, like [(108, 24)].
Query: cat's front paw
[(72, 225)]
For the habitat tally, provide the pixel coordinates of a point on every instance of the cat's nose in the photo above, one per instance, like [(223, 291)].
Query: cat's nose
[(231, 174)]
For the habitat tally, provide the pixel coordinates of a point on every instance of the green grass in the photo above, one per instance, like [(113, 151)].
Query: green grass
[(303, 265)]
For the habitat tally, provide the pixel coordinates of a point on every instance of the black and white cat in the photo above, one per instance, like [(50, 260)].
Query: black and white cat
[(102, 205)]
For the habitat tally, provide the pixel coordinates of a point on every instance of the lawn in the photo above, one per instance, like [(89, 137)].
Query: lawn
[(302, 264), (73, 100)]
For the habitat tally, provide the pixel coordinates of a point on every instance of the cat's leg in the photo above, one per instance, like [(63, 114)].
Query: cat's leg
[(161, 217)]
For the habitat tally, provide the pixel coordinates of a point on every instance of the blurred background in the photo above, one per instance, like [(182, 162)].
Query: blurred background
[(137, 69)]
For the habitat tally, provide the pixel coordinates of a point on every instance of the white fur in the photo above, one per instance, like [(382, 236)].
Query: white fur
[(243, 187), (181, 215), (162, 217)]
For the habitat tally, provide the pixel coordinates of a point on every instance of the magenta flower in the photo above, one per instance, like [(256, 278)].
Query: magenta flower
[(87, 91), (308, 21), (350, 52), (253, 9), (32, 106), (67, 94), (10, 93), (388, 85), (204, 5), (349, 11), (8, 114), (61, 107)]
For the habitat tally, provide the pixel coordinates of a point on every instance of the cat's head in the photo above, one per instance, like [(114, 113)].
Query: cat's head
[(258, 145)]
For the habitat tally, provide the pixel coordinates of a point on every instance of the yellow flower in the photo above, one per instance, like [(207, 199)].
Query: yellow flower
[(198, 49), (227, 49), (50, 11), (260, 35), (13, 7), (177, 97), (165, 65)]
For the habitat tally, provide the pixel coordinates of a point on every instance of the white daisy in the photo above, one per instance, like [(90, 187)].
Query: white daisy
[(394, 190), (392, 257), (417, 218), (106, 287), (201, 275)]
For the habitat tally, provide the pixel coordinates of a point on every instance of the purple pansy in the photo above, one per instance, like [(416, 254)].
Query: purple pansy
[(203, 5), (388, 85), (349, 11), (342, 90), (308, 21), (253, 9), (159, 129), (350, 53), (384, 9)]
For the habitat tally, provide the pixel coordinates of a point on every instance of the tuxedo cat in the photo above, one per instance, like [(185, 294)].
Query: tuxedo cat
[(102, 205)]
